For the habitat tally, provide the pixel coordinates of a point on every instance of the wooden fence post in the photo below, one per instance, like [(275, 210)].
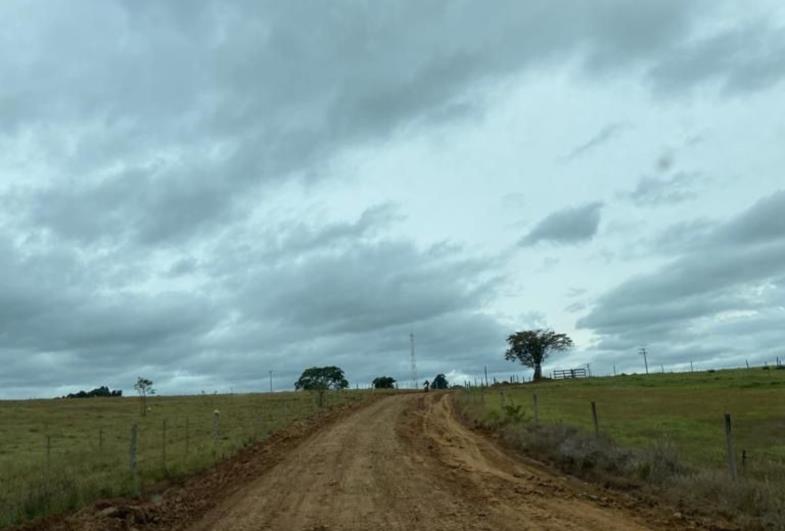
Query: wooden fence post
[(48, 453), (163, 446), (594, 418), (731, 452), (132, 458), (216, 431), (536, 409)]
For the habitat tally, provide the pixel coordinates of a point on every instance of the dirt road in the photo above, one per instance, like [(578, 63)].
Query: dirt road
[(406, 462)]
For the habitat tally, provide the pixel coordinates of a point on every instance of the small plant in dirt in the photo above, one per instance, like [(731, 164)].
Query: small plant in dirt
[(514, 413)]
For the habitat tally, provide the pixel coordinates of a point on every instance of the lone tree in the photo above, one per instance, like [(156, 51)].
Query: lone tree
[(440, 382), (321, 379), (384, 382), (532, 347), (144, 387)]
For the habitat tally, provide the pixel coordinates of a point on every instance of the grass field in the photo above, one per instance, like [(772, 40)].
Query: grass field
[(664, 431), (57, 455), (685, 409)]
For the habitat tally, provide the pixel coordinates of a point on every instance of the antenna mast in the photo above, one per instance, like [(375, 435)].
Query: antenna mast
[(414, 363), (643, 353)]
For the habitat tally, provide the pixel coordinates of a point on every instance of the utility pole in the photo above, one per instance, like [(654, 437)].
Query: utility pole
[(614, 368), (643, 353), (271, 380), (414, 363), (486, 376)]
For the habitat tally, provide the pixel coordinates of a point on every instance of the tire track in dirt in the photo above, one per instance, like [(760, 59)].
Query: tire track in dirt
[(406, 462)]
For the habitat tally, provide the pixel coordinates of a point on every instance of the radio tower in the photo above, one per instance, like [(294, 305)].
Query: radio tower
[(414, 364)]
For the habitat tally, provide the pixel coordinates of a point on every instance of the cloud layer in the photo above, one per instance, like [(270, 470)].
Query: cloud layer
[(187, 196)]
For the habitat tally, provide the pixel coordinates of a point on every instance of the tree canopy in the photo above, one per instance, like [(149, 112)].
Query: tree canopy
[(102, 391), (532, 347), (384, 382), (440, 382), (321, 378)]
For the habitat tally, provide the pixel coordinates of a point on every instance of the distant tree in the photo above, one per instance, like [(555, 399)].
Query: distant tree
[(144, 387), (532, 347), (384, 382), (321, 378), (98, 391), (440, 382)]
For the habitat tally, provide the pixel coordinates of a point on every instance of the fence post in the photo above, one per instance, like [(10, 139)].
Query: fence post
[(729, 447), (536, 409), (216, 431), (594, 418), (132, 458), (743, 462), (163, 447), (48, 453), (187, 437)]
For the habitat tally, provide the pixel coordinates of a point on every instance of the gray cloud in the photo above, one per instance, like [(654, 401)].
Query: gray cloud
[(343, 292), (147, 149), (651, 191), (731, 281), (739, 59), (605, 135), (568, 226), (188, 108)]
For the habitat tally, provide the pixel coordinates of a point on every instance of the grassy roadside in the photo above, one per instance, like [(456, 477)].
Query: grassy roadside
[(58, 455), (662, 432)]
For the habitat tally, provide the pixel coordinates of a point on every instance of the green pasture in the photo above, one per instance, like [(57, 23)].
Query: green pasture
[(57, 455), (683, 409)]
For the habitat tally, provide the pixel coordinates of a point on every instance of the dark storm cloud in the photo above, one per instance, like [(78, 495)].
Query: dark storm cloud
[(568, 226), (193, 105), (341, 291), (732, 279)]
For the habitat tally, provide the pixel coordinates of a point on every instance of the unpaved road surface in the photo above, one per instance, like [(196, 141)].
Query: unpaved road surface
[(406, 462)]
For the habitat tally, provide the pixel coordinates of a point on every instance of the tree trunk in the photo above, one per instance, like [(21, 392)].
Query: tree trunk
[(537, 372)]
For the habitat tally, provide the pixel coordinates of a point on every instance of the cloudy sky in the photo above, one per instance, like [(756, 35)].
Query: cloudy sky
[(201, 192)]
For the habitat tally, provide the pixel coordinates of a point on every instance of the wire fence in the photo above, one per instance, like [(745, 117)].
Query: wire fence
[(59, 455)]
